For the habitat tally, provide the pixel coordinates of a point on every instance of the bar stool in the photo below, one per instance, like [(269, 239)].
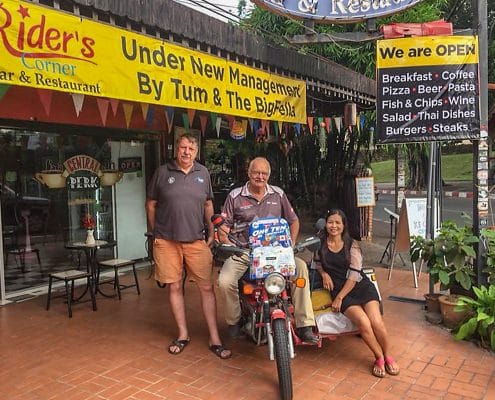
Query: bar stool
[(116, 264), (71, 276)]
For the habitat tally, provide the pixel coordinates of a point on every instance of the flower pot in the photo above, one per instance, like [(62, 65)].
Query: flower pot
[(432, 304), (90, 239), (51, 178), (451, 318)]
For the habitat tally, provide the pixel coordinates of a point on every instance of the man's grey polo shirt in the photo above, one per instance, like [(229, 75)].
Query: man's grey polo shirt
[(241, 208), (180, 200)]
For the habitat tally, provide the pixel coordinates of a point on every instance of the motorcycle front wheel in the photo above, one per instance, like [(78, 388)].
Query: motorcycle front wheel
[(282, 357)]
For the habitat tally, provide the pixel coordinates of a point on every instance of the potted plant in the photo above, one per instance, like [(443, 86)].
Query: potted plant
[(481, 325), (450, 261)]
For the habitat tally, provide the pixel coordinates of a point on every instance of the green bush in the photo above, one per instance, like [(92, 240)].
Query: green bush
[(450, 256), (481, 325)]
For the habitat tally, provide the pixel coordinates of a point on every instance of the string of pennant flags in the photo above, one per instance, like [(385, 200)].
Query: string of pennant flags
[(261, 128)]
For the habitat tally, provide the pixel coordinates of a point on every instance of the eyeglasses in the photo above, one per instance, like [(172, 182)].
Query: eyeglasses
[(262, 173)]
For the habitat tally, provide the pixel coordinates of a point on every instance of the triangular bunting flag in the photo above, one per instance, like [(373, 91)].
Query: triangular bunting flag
[(263, 125), (280, 126), (169, 115), (338, 123), (310, 124), (45, 96), (256, 126), (218, 123), (114, 103), (190, 113), (231, 120), (144, 110), (298, 128), (150, 115), (275, 127), (320, 121), (103, 109), (267, 126), (361, 121), (213, 117), (251, 124), (78, 100), (185, 120), (128, 108), (328, 123), (203, 120), (3, 90)]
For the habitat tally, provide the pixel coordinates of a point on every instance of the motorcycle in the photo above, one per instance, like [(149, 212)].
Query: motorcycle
[(265, 291), (266, 305)]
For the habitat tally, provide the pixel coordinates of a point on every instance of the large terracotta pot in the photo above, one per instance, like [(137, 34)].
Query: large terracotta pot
[(451, 318), (110, 177), (51, 178)]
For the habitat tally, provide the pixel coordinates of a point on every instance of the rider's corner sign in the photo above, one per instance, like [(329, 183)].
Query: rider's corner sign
[(336, 11)]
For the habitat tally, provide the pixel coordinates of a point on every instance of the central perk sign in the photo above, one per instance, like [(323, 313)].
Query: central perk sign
[(427, 89), (48, 49), (336, 11)]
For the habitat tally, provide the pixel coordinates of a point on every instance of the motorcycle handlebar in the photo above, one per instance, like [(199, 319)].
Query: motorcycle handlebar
[(227, 250)]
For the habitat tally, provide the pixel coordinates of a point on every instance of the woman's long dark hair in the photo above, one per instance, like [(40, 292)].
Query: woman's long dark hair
[(346, 237)]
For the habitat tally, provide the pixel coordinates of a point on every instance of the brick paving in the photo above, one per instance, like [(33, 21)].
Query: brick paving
[(119, 352)]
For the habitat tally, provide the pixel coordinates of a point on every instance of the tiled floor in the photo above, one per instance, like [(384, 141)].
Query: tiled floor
[(119, 352)]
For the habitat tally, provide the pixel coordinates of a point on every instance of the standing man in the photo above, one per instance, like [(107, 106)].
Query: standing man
[(179, 205), (257, 199)]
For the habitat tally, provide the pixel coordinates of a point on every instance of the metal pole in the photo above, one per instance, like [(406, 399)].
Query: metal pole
[(429, 201), (480, 25)]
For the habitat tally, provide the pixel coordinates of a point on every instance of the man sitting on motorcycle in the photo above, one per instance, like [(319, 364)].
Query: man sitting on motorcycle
[(257, 199)]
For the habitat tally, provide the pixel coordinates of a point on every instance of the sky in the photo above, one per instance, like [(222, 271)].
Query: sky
[(228, 5)]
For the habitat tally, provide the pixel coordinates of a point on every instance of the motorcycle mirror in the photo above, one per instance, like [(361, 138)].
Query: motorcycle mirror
[(320, 224)]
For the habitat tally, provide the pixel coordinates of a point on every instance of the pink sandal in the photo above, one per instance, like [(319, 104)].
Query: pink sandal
[(389, 366), (378, 368)]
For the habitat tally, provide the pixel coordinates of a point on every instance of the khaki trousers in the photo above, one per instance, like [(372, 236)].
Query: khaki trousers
[(233, 269)]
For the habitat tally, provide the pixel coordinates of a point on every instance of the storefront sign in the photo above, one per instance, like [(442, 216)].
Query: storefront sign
[(130, 164), (365, 191), (44, 48), (428, 89), (83, 180), (336, 11)]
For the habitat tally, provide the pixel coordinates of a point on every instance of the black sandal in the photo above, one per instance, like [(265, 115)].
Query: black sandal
[(219, 350), (180, 344)]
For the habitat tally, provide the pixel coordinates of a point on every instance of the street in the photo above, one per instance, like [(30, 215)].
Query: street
[(453, 207)]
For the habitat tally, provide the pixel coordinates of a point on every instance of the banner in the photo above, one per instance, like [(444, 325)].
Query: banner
[(45, 48), (427, 89)]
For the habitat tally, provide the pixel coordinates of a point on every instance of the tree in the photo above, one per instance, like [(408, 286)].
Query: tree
[(361, 56)]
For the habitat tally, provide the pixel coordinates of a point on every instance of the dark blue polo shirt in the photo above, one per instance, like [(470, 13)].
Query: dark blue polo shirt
[(180, 201)]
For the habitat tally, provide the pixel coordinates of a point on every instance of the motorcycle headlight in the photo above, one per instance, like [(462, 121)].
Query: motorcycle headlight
[(274, 283)]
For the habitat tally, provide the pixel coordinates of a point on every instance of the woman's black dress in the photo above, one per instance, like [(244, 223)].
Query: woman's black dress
[(336, 265)]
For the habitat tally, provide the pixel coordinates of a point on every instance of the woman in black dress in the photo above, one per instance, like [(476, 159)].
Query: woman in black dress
[(352, 292)]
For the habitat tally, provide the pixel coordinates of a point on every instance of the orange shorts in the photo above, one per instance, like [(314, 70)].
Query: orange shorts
[(171, 257)]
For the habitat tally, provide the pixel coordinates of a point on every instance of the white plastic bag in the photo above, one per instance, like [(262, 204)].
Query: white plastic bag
[(334, 323)]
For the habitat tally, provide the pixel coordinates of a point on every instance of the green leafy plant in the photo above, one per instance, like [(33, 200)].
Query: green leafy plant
[(481, 325), (488, 237), (449, 256)]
